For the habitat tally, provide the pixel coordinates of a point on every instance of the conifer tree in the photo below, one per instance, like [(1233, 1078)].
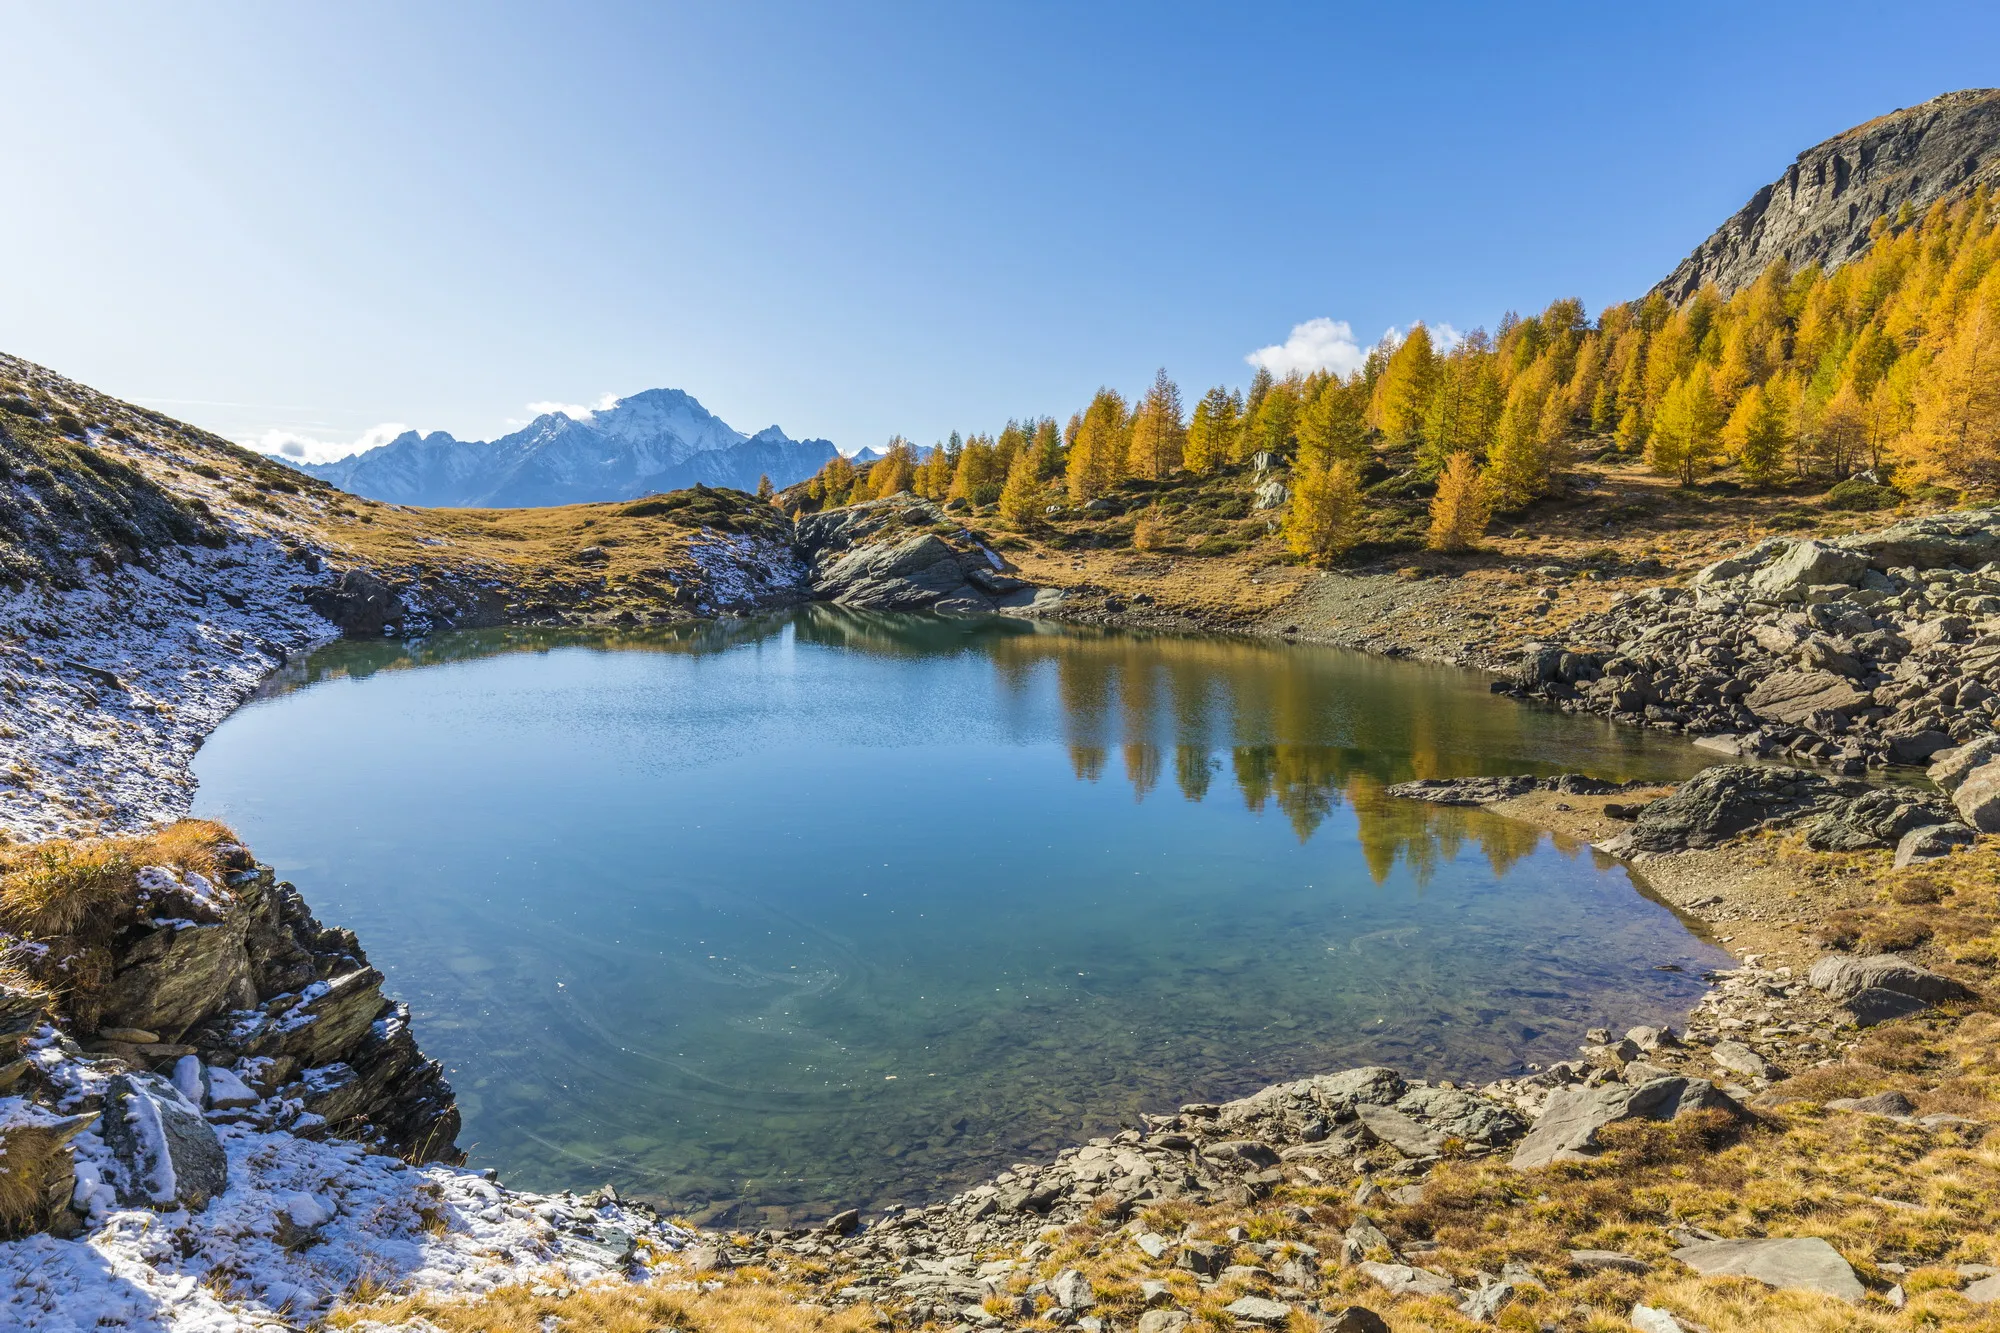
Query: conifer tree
[(1048, 446), (1462, 508), (1212, 432), (764, 488), (1954, 434), (1021, 497), (1333, 425), (1324, 517), (1404, 390), (1097, 454), (1755, 435), (1158, 433), (1685, 429)]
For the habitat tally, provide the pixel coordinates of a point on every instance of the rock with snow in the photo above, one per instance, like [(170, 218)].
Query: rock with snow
[(168, 1156)]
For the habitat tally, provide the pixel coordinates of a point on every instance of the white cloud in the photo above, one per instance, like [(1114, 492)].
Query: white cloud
[(306, 449), (574, 411), (1443, 336), (1317, 344)]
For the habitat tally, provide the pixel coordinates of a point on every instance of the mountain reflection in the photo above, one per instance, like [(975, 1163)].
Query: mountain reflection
[(1300, 729)]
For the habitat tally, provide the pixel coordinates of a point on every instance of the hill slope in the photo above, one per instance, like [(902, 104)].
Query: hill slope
[(659, 440), (1821, 209)]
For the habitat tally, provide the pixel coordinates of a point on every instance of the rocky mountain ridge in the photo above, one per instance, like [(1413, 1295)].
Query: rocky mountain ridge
[(658, 440), (1822, 208)]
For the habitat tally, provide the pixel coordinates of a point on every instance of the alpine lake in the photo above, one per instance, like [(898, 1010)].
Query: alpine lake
[(766, 918)]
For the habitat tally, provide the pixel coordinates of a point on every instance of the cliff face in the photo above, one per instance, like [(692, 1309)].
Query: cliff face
[(1821, 209)]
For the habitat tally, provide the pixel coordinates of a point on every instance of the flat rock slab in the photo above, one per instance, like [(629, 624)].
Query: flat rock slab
[(1403, 1280), (1259, 1310), (1794, 696), (1804, 1263)]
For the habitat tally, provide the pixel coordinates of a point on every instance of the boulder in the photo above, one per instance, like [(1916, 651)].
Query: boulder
[(1949, 767), (1843, 977), (1876, 1005), (1352, 1319), (1163, 1321), (1891, 1103), (1804, 564), (168, 1156), (1977, 797), (1916, 747), (1737, 1058), (1072, 1290), (1804, 1263), (1567, 1129), (1719, 803), (1794, 696), (1931, 842), (1651, 1319), (1878, 818), (1270, 495)]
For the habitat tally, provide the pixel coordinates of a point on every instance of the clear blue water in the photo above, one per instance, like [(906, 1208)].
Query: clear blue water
[(770, 918)]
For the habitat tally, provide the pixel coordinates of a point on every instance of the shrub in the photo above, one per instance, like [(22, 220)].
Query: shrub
[(1860, 496), (20, 407), (69, 425)]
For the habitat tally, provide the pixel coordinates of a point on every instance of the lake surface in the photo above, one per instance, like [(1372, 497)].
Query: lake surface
[(768, 918)]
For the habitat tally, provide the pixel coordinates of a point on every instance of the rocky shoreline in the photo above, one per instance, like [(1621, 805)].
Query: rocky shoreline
[(124, 669)]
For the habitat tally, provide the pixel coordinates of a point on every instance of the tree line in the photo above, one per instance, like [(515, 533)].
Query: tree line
[(1888, 366)]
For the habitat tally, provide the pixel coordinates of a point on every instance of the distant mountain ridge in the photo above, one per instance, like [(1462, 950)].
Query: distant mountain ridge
[(1821, 210), (659, 440)]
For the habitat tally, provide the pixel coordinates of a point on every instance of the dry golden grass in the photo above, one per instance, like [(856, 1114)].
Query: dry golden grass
[(611, 1308), (76, 895), (60, 887)]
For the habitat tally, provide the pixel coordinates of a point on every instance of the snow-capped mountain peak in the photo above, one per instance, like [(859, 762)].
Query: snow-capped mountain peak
[(658, 440)]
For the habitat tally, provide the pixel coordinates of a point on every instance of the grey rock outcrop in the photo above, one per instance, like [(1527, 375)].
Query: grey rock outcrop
[(1806, 1263), (167, 1155), (884, 555), (1722, 802), (1877, 649), (1821, 209), (1567, 1128)]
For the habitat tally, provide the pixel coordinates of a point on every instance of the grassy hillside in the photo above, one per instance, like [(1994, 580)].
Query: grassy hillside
[(100, 481)]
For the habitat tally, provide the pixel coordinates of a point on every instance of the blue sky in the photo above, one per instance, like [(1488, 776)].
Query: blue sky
[(308, 221)]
